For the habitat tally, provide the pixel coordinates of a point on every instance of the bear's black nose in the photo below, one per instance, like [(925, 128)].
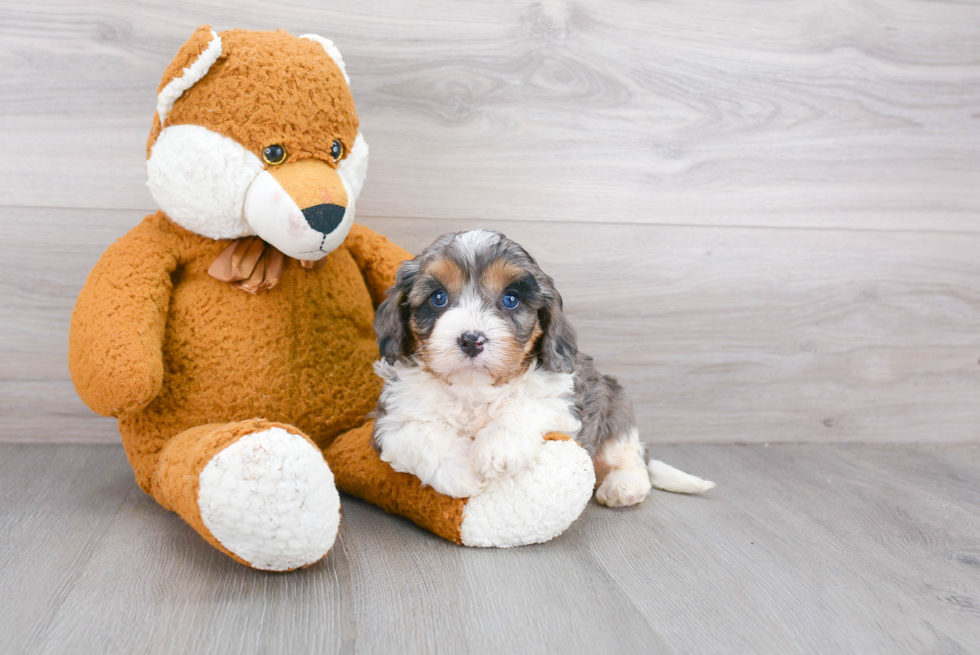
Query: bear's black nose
[(324, 218)]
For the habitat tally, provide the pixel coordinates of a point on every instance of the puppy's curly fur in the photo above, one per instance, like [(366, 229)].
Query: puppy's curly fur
[(480, 362)]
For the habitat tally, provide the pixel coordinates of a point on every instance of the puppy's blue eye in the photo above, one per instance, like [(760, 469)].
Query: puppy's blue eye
[(510, 301), (439, 298)]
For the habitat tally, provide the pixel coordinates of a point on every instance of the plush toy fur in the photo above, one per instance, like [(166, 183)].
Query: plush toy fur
[(227, 393)]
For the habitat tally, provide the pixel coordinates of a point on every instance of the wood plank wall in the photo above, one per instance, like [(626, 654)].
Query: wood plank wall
[(763, 216)]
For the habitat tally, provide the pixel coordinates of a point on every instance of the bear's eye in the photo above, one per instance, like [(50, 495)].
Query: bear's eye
[(274, 155), (337, 150)]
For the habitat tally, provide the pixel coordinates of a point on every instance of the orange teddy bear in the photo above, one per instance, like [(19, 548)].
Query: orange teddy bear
[(231, 332)]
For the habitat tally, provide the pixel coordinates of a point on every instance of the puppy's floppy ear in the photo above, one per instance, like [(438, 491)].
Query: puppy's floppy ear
[(391, 319), (558, 347)]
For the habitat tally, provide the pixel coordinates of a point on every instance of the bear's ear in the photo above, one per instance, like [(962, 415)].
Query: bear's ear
[(331, 50), (192, 63)]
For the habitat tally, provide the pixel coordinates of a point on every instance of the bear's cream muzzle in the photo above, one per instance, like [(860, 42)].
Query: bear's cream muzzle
[(304, 208)]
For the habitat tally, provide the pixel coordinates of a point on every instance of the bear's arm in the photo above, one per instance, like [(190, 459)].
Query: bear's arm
[(377, 257), (116, 336)]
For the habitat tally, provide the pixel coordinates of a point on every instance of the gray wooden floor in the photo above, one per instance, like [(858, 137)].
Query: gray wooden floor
[(801, 549)]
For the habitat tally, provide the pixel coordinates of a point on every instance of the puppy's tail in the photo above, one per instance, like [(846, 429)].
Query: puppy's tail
[(666, 477)]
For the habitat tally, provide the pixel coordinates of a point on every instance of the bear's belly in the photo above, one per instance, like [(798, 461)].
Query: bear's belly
[(300, 353)]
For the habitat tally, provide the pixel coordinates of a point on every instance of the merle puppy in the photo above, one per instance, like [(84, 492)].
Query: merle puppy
[(480, 362)]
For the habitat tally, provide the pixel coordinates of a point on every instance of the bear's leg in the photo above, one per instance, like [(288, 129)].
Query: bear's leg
[(535, 505), (258, 491)]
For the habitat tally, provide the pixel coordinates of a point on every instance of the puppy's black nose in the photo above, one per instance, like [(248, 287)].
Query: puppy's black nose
[(472, 343), (324, 218)]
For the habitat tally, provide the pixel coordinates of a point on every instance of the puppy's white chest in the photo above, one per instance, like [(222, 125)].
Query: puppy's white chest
[(537, 397), (539, 401), (472, 415)]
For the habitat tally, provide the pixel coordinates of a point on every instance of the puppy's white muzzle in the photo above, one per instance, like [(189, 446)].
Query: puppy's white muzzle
[(447, 348)]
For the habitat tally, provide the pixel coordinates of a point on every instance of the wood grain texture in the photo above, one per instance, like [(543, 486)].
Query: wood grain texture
[(763, 218), (718, 334), (802, 549), (852, 114)]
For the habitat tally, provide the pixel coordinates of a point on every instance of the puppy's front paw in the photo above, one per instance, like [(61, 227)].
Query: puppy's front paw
[(456, 479), (454, 476), (499, 453), (623, 488)]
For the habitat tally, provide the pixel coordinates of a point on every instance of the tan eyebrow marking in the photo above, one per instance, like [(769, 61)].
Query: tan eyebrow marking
[(448, 273), (444, 271), (501, 273)]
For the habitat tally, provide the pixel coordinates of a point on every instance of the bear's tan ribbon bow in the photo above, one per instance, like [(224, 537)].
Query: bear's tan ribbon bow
[(252, 265)]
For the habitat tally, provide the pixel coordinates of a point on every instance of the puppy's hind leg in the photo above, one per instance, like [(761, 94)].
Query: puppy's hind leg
[(624, 478), (621, 473)]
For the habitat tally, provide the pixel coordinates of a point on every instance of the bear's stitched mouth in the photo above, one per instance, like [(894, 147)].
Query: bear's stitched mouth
[(318, 249)]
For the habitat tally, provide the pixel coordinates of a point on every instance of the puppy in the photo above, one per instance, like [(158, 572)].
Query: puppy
[(479, 363)]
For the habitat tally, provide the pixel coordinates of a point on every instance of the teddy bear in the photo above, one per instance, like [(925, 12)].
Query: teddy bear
[(230, 332)]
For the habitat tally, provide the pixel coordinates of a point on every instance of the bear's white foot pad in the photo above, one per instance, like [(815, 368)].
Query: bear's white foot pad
[(534, 506), (270, 498)]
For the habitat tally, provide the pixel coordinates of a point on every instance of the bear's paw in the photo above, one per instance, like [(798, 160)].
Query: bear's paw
[(270, 499)]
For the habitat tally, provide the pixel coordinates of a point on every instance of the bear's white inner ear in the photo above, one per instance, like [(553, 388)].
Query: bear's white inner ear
[(200, 179), (353, 167), (331, 50), (192, 75)]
